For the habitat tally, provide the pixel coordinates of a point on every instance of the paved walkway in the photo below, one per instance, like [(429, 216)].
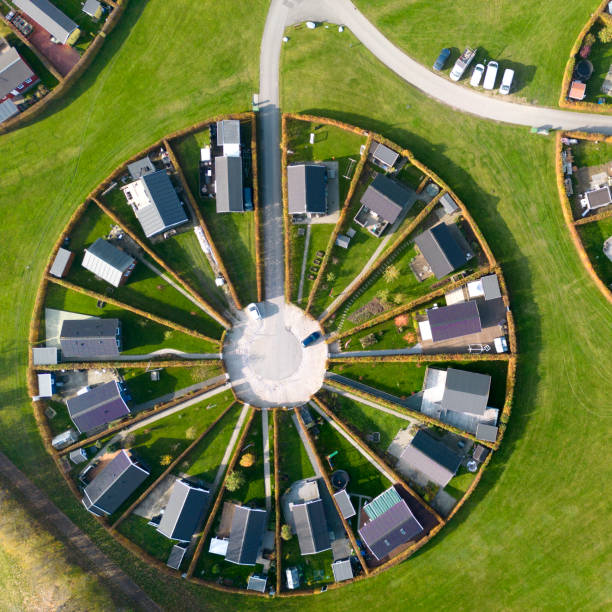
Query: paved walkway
[(230, 448), (266, 458), (304, 264), (311, 455), (411, 350), (379, 466), (99, 563), (167, 351)]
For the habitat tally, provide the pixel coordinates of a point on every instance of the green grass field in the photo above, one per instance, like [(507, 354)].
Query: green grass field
[(293, 459), (136, 528), (551, 473), (518, 34)]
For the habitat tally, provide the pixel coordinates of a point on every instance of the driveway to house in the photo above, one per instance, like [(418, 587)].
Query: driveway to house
[(167, 351), (266, 458), (412, 350), (311, 456), (96, 560), (284, 13)]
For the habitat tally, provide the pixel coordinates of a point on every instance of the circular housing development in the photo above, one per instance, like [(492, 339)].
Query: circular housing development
[(265, 418)]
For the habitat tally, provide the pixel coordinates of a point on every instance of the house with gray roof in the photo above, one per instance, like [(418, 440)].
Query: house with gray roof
[(16, 77), (466, 391), (62, 262), (97, 407), (389, 524), (311, 526), (108, 262), (382, 203), (184, 511), (155, 203), (113, 485), (444, 248), (432, 458), (228, 184), (62, 29), (91, 338), (383, 156), (246, 535), (307, 189)]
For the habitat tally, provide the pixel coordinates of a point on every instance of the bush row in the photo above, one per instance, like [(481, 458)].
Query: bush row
[(505, 415), (202, 224), (569, 221), (327, 121), (340, 222), (142, 313), (145, 414), (159, 362), (230, 466), (171, 467), (569, 68), (159, 261), (64, 82), (419, 416), (598, 217), (323, 470)]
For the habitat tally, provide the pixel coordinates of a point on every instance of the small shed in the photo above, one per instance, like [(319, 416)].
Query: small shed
[(62, 262), (66, 438), (8, 109), (44, 355), (257, 583), (342, 570), (344, 503), (485, 432), (293, 578), (384, 157), (606, 86), (218, 546), (577, 90), (448, 204), (343, 241), (78, 456), (46, 385), (176, 556), (92, 8)]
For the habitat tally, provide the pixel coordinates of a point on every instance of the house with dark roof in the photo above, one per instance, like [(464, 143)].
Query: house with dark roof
[(382, 203), (307, 189), (108, 262), (389, 524), (114, 484), (97, 407), (448, 322), (432, 458), (311, 526), (91, 338), (228, 184), (62, 29), (16, 77), (246, 535), (184, 511), (444, 248), (155, 203), (62, 262), (466, 391), (383, 156)]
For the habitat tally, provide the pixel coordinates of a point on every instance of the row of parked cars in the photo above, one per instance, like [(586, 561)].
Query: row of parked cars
[(489, 72)]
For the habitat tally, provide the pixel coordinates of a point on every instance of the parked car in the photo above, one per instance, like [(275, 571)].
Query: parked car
[(490, 75), (506, 84), (311, 339), (461, 65), (253, 312), (479, 70), (444, 55)]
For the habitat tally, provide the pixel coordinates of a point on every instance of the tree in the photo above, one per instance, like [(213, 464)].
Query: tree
[(286, 532), (330, 277), (165, 460), (605, 34), (234, 481), (191, 433), (589, 40), (383, 295), (391, 274), (399, 298), (247, 460)]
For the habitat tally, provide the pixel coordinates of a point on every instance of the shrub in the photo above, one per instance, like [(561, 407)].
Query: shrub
[(391, 273), (286, 532), (589, 40), (234, 481), (330, 277), (191, 433), (247, 460), (165, 460), (605, 34)]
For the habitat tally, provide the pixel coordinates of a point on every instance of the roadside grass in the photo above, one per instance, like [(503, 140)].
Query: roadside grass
[(137, 529), (593, 236), (405, 378), (517, 34), (294, 463), (143, 389), (232, 233), (139, 335), (365, 419), (182, 252), (365, 479)]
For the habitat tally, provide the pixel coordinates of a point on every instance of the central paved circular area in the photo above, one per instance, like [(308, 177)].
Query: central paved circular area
[(265, 359)]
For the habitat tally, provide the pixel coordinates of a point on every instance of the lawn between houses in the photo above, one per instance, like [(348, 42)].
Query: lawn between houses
[(593, 236), (144, 289), (233, 233)]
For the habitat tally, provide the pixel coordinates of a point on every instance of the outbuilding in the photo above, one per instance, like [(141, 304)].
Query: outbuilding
[(61, 263), (108, 262)]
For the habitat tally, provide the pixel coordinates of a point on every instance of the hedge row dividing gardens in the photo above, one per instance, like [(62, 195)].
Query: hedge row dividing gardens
[(139, 335), (198, 261), (331, 144), (238, 255), (568, 215), (369, 480)]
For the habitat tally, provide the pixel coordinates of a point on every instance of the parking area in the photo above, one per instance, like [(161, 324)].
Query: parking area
[(63, 57)]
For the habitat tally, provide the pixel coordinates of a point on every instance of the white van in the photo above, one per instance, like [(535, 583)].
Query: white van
[(506, 82), (490, 75)]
